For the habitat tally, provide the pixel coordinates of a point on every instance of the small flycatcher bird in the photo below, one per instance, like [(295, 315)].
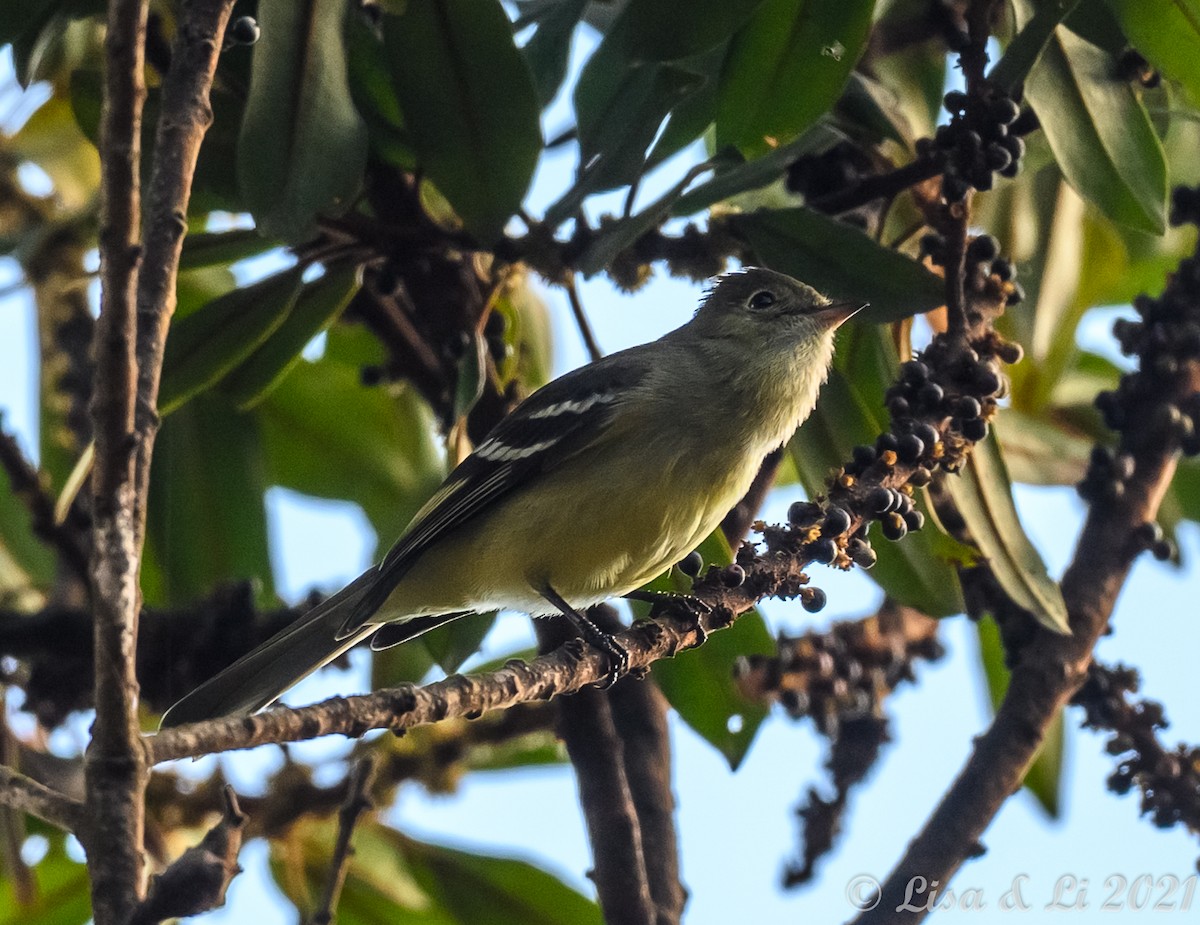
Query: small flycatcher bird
[(597, 483)]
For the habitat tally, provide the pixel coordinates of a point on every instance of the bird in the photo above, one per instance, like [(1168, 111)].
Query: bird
[(596, 483)]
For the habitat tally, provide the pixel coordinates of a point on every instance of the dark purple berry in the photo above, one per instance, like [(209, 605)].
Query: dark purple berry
[(914, 520), (1004, 270), (894, 527), (837, 522), (1003, 110), (804, 513), (885, 442), (823, 550), (879, 500), (927, 433), (244, 31), (864, 455), (733, 576), (691, 564), (956, 101), (974, 429), (930, 395), (861, 553), (920, 477), (968, 407), (914, 372), (983, 249), (813, 599), (911, 448)]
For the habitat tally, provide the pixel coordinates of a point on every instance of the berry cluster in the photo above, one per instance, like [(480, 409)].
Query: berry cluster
[(984, 265), (1156, 407), (842, 673), (1168, 778), (815, 175), (983, 138)]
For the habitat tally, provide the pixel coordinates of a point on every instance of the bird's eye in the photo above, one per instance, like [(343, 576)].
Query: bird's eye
[(762, 299)]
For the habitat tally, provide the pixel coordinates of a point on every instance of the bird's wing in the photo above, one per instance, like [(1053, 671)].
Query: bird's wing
[(554, 423)]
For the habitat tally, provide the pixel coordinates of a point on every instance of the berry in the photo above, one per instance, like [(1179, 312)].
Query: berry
[(920, 477), (804, 514), (244, 31), (885, 442), (914, 372), (975, 429), (861, 553), (984, 249), (956, 101), (1163, 550), (911, 448), (879, 500), (733, 576), (813, 599), (1016, 296), (968, 407), (927, 433), (894, 527), (691, 564), (930, 395), (1003, 110), (837, 522), (914, 520), (823, 550), (863, 455), (1004, 270)]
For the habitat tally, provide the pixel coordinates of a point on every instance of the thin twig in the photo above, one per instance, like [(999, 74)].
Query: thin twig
[(357, 802), (28, 796), (581, 319), (115, 764)]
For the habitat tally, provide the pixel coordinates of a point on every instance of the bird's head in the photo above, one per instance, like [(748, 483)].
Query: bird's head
[(761, 306)]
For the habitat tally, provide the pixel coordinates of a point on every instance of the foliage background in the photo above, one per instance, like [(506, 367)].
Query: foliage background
[(747, 810)]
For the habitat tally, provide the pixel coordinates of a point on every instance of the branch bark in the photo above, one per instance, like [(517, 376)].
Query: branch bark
[(115, 768), (28, 796)]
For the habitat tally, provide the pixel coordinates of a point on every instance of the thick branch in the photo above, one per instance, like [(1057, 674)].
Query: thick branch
[(186, 116), (115, 766), (28, 796)]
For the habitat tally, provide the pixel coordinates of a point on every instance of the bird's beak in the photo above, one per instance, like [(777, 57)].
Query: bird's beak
[(835, 313)]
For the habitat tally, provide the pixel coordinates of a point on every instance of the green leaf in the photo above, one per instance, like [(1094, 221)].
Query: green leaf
[(740, 176), (921, 570), (984, 499), (204, 346), (1099, 131), (1014, 66), (840, 260), (303, 145), (51, 139), (454, 643), (395, 880), (25, 560), (549, 47), (327, 435), (210, 249), (619, 107), (470, 104), (654, 30), (1167, 32), (1042, 451), (63, 895), (700, 683), (317, 306), (786, 68), (1044, 777), (206, 522)]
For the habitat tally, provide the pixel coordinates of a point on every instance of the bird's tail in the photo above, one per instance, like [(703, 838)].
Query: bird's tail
[(259, 677)]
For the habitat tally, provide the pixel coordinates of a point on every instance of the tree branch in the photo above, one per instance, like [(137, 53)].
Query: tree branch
[(186, 116), (357, 802), (28, 796), (115, 763)]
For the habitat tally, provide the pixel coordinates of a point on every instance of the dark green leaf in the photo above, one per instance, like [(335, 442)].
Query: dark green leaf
[(840, 260), (654, 30), (1040, 451), (453, 644), (1044, 777), (375, 96), (395, 880), (303, 145), (25, 561), (1099, 131), (317, 306), (619, 107), (1167, 32), (921, 570), (737, 176), (204, 346), (984, 499), (471, 377), (326, 434), (700, 684), (786, 68), (692, 116), (1014, 66), (209, 249), (206, 523), (470, 104), (550, 45)]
